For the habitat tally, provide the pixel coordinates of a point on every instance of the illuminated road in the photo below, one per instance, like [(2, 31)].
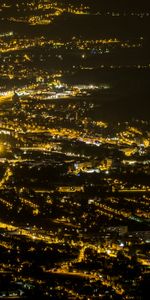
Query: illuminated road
[(31, 233), (8, 173), (66, 268), (6, 96)]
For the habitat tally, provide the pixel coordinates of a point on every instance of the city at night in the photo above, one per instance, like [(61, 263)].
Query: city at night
[(74, 149)]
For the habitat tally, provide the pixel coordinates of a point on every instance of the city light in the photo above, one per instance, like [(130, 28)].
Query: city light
[(74, 149)]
